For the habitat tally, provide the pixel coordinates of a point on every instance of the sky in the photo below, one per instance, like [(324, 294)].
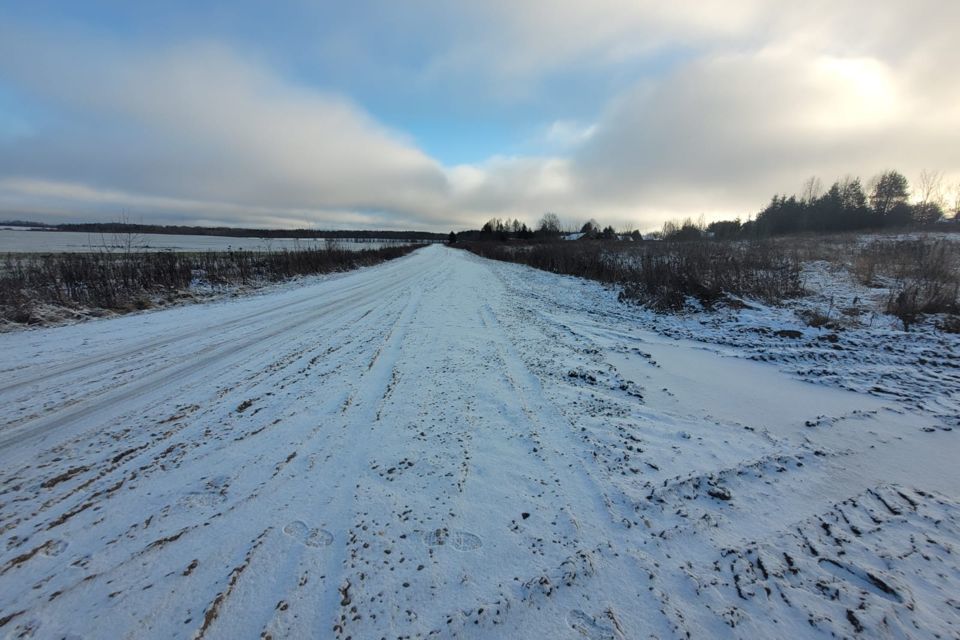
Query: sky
[(439, 115)]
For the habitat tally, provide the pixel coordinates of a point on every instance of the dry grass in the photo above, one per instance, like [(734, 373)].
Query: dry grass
[(129, 281), (666, 276), (923, 275)]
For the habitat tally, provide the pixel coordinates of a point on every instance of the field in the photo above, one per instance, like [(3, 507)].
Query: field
[(20, 240), (907, 276), (448, 446)]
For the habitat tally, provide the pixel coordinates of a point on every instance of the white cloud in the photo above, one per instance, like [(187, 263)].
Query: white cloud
[(725, 132), (201, 124), (765, 95), (568, 133), (526, 38)]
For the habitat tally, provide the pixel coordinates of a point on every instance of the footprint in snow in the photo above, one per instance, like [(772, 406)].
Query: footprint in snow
[(54, 548), (300, 531), (213, 492), (589, 627), (459, 540)]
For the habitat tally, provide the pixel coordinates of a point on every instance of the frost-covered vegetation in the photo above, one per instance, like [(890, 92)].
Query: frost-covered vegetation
[(921, 274), (908, 276), (32, 284), (665, 276)]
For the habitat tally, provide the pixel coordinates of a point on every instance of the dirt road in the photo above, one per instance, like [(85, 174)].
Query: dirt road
[(446, 446)]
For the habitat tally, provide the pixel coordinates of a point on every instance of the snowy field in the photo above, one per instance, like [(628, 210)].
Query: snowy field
[(19, 240), (444, 446)]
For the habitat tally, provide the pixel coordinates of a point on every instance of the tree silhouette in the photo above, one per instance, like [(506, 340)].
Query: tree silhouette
[(549, 224), (889, 194)]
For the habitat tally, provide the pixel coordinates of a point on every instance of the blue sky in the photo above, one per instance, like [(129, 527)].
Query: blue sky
[(440, 115)]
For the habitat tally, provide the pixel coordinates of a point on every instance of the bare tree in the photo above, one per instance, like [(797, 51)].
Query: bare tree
[(955, 206), (932, 200), (549, 224), (812, 189), (629, 232), (125, 238), (930, 188)]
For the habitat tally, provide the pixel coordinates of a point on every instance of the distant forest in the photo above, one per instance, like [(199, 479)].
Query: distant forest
[(232, 232), (845, 206)]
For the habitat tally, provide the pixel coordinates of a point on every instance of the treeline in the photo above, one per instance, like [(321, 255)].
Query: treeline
[(845, 206), (21, 223), (548, 228), (232, 232)]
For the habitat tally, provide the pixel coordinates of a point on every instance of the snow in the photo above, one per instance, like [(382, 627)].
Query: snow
[(452, 447), (26, 240)]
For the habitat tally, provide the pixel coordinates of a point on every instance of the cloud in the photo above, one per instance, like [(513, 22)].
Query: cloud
[(201, 124), (763, 95), (568, 133), (727, 131), (65, 200), (529, 38)]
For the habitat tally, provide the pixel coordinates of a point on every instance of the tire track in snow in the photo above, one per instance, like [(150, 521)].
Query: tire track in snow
[(464, 429), (342, 294), (200, 361), (599, 532), (133, 459), (307, 568), (366, 320)]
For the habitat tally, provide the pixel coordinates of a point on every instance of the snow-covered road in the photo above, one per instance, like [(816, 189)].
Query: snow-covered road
[(447, 446)]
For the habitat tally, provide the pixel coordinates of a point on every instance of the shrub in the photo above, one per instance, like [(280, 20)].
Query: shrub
[(666, 275), (950, 324), (923, 275), (126, 281)]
